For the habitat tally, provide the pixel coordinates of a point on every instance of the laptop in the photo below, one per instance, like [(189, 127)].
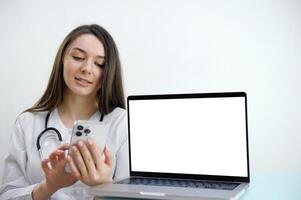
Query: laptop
[(185, 146)]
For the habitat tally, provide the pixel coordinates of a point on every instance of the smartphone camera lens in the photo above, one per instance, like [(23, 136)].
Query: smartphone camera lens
[(78, 133), (87, 131), (80, 127)]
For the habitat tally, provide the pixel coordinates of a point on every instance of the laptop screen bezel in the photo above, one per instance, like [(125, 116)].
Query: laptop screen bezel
[(188, 176)]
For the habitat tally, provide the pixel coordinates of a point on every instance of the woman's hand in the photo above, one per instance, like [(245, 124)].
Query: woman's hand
[(56, 177), (89, 165)]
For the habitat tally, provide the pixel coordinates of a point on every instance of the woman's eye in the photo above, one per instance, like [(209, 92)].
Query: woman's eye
[(77, 58), (100, 65)]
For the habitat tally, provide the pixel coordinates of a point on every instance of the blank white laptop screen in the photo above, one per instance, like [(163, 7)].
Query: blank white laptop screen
[(204, 136)]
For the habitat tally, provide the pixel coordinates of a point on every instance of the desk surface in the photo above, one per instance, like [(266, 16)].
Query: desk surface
[(269, 187), (272, 186)]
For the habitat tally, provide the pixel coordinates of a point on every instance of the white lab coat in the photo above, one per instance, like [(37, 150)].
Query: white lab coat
[(22, 167)]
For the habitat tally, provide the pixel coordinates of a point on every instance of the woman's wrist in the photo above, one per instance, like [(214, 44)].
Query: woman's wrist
[(42, 191), (49, 189)]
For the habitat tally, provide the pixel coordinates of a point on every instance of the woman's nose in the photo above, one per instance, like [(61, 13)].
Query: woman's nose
[(87, 67)]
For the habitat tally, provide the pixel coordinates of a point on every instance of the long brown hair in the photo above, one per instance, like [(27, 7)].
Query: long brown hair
[(110, 95)]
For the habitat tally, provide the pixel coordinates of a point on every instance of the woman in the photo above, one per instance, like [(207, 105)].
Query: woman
[(85, 84)]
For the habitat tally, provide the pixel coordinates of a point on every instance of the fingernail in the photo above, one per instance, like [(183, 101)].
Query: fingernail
[(74, 148), (90, 141)]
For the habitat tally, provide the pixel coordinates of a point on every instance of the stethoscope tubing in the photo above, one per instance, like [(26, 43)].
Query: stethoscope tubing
[(59, 136)]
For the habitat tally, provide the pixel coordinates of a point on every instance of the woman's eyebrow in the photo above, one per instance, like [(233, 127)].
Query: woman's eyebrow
[(79, 49), (83, 51)]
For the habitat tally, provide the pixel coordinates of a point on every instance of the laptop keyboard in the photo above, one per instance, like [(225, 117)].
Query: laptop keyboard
[(180, 183)]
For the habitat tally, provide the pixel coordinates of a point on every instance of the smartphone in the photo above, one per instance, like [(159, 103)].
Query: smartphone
[(84, 130)]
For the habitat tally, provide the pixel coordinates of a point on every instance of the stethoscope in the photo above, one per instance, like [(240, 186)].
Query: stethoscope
[(50, 138)]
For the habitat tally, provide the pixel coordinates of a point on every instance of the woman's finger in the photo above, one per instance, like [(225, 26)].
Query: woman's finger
[(64, 146), (61, 155), (53, 157), (45, 166), (73, 170), (56, 153), (87, 157), (95, 152), (79, 162), (108, 156)]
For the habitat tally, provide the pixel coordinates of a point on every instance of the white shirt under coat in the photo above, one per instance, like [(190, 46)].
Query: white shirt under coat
[(22, 167)]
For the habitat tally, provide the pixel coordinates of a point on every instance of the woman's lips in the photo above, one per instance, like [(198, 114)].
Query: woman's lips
[(82, 81)]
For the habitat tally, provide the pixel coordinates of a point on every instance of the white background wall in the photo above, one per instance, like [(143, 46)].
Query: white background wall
[(171, 46)]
